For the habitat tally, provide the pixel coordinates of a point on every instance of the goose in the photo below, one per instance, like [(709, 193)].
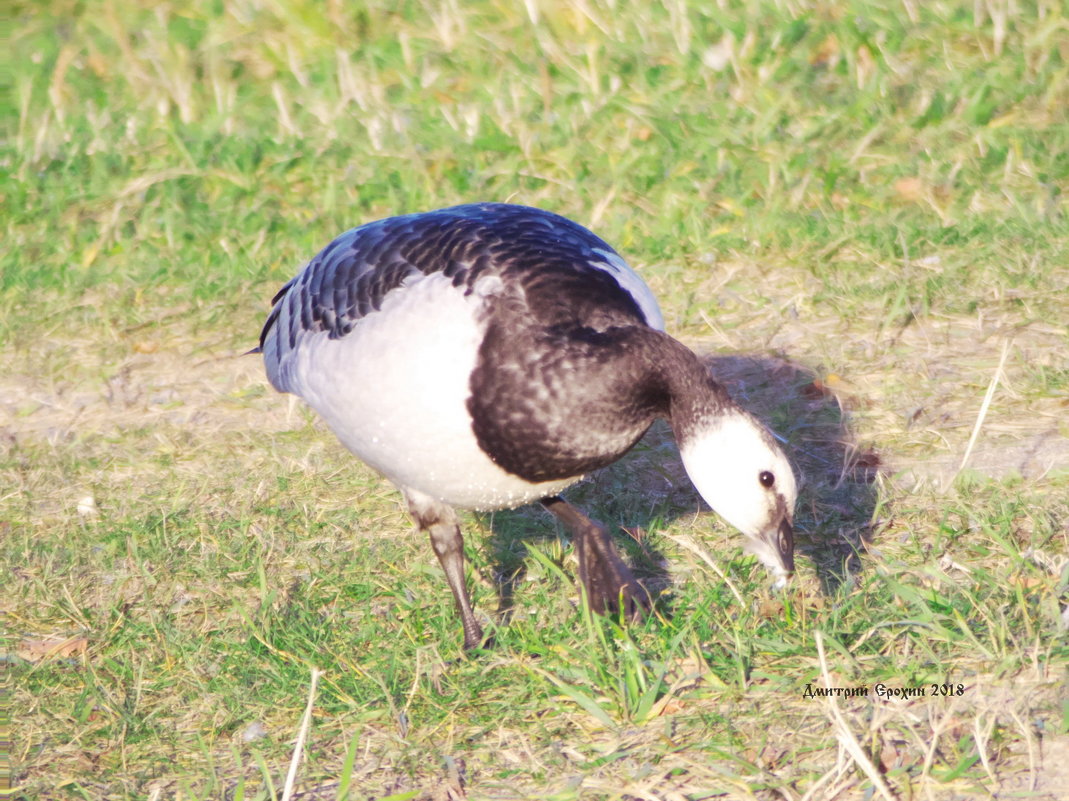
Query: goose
[(489, 355)]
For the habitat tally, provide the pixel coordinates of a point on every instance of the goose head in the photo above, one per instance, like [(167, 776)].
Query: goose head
[(741, 472)]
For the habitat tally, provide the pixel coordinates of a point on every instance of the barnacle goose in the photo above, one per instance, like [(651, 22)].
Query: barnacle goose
[(489, 355)]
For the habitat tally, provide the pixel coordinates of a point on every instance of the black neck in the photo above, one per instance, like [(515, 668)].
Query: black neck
[(536, 421), (693, 395)]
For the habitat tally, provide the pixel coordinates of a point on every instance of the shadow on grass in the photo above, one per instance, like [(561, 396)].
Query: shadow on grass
[(648, 487)]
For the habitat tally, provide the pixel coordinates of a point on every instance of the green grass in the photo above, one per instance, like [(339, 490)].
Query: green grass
[(869, 194)]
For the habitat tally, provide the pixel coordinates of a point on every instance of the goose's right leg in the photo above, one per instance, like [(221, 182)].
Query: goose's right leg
[(440, 521)]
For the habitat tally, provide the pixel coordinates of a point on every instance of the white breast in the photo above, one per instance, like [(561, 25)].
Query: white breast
[(394, 391)]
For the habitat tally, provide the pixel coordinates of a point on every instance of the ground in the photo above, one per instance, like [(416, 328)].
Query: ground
[(857, 217)]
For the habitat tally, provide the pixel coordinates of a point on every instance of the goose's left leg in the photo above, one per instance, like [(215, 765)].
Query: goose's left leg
[(610, 585), (440, 521)]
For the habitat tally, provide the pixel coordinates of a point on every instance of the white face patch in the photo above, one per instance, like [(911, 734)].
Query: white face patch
[(726, 461)]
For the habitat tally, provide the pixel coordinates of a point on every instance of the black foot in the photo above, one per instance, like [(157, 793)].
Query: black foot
[(473, 634), (610, 585)]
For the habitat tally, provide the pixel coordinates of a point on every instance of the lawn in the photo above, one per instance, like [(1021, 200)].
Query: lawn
[(856, 210)]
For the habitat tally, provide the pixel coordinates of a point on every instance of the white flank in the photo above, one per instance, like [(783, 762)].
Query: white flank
[(394, 391)]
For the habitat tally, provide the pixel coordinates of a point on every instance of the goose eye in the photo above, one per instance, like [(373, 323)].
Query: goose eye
[(766, 478)]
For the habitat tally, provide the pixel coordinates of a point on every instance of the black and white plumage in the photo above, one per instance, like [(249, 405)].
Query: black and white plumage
[(489, 355)]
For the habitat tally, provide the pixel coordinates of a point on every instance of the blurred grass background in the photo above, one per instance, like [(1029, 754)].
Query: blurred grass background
[(208, 145), (874, 190)]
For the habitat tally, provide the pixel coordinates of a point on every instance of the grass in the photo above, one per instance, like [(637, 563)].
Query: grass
[(853, 206)]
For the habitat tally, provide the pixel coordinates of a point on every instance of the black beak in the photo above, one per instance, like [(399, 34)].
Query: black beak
[(785, 543)]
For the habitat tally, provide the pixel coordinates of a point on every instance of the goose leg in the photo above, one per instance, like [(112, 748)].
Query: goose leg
[(440, 521), (610, 585)]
